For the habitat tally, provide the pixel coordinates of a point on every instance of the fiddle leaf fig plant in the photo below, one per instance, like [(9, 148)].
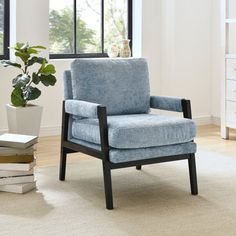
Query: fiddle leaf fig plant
[(25, 83)]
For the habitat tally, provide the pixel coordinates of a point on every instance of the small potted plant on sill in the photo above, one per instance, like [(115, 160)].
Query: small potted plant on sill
[(23, 117)]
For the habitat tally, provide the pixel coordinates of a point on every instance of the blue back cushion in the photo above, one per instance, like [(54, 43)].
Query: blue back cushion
[(122, 85)]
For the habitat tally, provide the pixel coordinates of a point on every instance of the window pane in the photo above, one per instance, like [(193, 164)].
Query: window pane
[(89, 26), (1, 27), (116, 22), (88, 33), (61, 27)]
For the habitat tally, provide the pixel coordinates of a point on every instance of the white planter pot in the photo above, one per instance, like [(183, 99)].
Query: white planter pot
[(24, 120)]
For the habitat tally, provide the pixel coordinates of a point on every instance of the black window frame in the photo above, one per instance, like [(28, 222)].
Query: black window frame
[(96, 55), (6, 31)]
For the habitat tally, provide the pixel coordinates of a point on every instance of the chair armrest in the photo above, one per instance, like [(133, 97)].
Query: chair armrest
[(166, 103), (81, 108), (88, 110), (172, 104)]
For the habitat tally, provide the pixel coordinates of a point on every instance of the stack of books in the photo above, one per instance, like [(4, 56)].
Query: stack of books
[(17, 163)]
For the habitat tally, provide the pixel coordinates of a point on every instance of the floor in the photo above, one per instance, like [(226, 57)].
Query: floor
[(69, 207), (208, 138), (153, 202)]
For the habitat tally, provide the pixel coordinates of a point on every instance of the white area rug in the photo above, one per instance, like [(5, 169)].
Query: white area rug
[(155, 201)]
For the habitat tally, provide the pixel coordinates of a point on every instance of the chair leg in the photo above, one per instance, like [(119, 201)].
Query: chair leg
[(62, 164), (193, 174), (108, 186), (138, 167)]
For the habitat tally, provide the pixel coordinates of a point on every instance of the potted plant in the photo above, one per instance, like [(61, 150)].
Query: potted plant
[(24, 117)]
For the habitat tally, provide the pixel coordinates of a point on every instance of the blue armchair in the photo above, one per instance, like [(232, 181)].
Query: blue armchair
[(106, 114)]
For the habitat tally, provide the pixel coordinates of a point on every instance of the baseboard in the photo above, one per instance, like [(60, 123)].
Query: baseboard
[(207, 120), (203, 120), (44, 131), (56, 130), (216, 121), (50, 131)]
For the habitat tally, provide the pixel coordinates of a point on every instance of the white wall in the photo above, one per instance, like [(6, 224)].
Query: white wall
[(217, 50), (176, 40), (186, 52), (151, 41)]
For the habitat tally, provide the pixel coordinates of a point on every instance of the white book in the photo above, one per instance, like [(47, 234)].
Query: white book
[(8, 151), (16, 179), (9, 173), (17, 140), (17, 166), (18, 188)]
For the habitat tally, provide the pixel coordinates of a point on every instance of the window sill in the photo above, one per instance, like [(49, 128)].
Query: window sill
[(75, 56)]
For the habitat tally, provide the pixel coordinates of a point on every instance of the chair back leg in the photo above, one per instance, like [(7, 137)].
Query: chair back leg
[(138, 167), (108, 186), (193, 174)]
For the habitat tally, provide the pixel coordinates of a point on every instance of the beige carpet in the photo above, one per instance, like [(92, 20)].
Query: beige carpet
[(155, 201)]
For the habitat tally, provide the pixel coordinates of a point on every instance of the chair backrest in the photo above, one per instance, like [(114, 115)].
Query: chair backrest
[(122, 85)]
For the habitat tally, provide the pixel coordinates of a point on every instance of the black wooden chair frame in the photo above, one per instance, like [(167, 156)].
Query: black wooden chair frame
[(70, 147)]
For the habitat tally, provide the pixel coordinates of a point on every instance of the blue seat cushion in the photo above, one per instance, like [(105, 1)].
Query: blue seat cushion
[(126, 155), (122, 85), (137, 131)]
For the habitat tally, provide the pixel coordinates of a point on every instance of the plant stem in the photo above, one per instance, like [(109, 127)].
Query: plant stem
[(26, 67), (29, 83)]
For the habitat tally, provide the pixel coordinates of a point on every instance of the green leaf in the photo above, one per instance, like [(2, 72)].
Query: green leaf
[(6, 63), (17, 46), (32, 51), (17, 98), (39, 60), (48, 70), (21, 81), (38, 47), (31, 93), (24, 47), (48, 80), (35, 78), (23, 55)]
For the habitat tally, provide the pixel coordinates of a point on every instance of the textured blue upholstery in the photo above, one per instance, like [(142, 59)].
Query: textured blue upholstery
[(106, 114), (124, 155), (122, 85), (81, 108), (121, 155), (137, 131), (166, 103), (67, 85)]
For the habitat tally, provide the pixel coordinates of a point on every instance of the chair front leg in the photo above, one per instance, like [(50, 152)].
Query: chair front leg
[(62, 164), (64, 134), (108, 186), (187, 113), (102, 116), (193, 174)]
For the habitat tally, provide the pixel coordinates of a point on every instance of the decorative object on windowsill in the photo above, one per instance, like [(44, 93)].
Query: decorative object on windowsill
[(24, 118), (125, 50), (113, 51)]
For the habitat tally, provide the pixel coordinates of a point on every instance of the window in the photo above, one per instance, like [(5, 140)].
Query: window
[(4, 29), (86, 28)]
